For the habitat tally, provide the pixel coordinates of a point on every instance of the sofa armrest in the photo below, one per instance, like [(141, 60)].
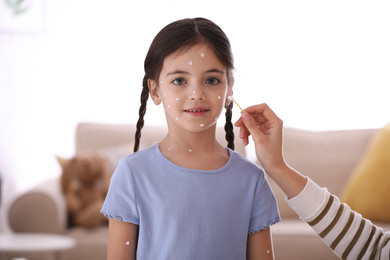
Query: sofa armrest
[(34, 212), (40, 210)]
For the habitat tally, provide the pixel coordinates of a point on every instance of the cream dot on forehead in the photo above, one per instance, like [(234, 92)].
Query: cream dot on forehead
[(202, 55), (190, 63)]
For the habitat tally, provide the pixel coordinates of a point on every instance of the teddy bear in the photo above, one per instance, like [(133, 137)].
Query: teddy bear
[(85, 181)]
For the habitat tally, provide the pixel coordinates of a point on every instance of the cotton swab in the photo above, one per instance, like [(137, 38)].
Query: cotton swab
[(232, 99)]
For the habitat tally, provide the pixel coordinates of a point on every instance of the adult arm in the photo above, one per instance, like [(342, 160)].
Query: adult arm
[(346, 232), (343, 230)]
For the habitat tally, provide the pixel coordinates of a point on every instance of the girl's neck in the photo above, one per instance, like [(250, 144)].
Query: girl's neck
[(194, 150)]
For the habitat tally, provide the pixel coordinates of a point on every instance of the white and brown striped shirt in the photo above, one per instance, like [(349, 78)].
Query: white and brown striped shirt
[(348, 234)]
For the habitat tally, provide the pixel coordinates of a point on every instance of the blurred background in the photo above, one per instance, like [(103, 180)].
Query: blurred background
[(319, 64)]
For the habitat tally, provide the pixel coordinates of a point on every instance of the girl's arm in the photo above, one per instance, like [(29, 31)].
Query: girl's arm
[(122, 240), (260, 245)]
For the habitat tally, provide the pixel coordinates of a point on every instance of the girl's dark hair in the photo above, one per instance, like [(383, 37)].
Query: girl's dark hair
[(181, 35)]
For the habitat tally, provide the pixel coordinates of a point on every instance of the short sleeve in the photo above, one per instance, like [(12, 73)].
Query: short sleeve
[(265, 212), (121, 201)]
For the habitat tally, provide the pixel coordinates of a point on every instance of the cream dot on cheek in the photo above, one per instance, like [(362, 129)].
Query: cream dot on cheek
[(202, 55), (177, 99), (201, 125), (127, 243), (219, 97), (190, 63)]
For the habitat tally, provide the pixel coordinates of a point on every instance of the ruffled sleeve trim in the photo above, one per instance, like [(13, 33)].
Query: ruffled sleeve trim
[(270, 223), (118, 218)]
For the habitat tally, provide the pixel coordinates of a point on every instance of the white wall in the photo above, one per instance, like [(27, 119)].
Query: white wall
[(319, 64)]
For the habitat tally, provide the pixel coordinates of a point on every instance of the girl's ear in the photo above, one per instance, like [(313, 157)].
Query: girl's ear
[(229, 90), (154, 91)]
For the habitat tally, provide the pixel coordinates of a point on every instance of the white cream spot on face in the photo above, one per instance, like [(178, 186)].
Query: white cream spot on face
[(267, 251), (201, 125), (161, 82), (177, 99), (190, 63), (165, 95), (202, 55), (194, 91), (190, 150), (177, 118), (169, 148), (169, 106), (219, 97), (127, 243)]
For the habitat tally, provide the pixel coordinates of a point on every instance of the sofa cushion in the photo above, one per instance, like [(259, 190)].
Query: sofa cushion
[(295, 239), (367, 191), (327, 157), (91, 244)]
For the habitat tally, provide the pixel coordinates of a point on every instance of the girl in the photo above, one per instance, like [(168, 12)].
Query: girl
[(187, 197)]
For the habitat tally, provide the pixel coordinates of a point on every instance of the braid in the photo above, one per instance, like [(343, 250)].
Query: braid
[(229, 126), (142, 111)]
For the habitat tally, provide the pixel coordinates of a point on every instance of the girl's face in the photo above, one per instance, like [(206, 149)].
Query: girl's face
[(193, 87)]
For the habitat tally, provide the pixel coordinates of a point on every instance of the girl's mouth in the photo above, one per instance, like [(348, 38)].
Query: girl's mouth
[(196, 111)]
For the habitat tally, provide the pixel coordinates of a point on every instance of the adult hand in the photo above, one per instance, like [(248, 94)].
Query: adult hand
[(266, 129)]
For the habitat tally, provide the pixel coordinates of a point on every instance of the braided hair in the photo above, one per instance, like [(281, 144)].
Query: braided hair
[(182, 35)]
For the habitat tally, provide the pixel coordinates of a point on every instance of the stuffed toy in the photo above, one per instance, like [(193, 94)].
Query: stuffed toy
[(85, 181)]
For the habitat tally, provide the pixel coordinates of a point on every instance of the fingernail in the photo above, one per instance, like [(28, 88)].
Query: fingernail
[(245, 116)]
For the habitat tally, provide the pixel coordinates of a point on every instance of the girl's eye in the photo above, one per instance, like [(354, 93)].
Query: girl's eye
[(212, 81), (179, 81)]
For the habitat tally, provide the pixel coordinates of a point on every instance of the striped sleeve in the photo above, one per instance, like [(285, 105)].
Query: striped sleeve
[(348, 234)]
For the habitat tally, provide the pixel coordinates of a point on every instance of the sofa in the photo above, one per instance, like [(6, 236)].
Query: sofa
[(327, 157)]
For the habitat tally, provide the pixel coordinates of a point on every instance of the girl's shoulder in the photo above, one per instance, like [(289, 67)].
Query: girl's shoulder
[(146, 152), (146, 155), (241, 161)]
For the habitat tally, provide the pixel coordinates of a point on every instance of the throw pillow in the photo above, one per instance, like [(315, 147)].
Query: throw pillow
[(368, 190)]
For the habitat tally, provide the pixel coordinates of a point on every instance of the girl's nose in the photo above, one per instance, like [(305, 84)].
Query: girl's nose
[(197, 94)]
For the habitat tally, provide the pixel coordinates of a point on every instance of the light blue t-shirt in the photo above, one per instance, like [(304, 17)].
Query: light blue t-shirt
[(190, 214)]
